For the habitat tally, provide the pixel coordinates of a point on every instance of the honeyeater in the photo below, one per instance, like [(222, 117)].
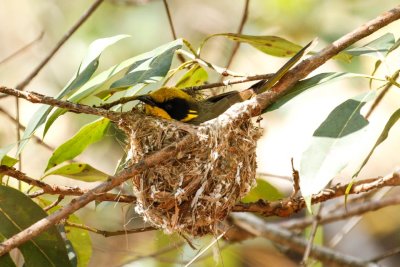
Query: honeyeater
[(174, 103)]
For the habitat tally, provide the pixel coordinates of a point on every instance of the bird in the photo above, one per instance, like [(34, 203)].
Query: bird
[(174, 103)]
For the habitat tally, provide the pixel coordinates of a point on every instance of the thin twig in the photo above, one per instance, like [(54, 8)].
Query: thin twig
[(386, 254), (239, 31), (21, 127), (219, 70), (79, 108), (343, 214), (59, 189), (310, 242), (60, 43), (109, 233), (171, 26), (259, 227), (296, 180), (382, 94), (249, 78), (22, 49), (55, 203)]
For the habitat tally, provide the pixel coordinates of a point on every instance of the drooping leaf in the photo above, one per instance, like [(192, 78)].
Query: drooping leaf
[(333, 145), (79, 171), (77, 240), (196, 76), (382, 137), (100, 84), (86, 136), (263, 190), (149, 70), (18, 212), (6, 260), (86, 70), (271, 45), (376, 48), (310, 83), (80, 240)]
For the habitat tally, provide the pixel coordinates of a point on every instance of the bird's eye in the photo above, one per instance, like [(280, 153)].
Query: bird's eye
[(168, 106)]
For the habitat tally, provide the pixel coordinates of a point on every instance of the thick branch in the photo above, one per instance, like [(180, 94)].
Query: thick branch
[(287, 207), (77, 203), (310, 64)]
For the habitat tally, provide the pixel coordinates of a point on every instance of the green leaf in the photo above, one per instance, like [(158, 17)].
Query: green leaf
[(79, 171), (271, 45), (100, 84), (5, 260), (377, 48), (382, 137), (80, 240), (151, 69), (18, 212), (86, 136), (313, 82), (194, 77), (263, 190), (333, 145), (86, 70), (8, 161)]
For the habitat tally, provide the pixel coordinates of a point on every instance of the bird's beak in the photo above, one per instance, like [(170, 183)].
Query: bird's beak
[(146, 99)]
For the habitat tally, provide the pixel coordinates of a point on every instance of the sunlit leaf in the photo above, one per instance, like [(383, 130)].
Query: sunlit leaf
[(271, 45), (86, 70), (313, 82), (194, 77), (86, 136), (333, 145), (382, 137), (18, 212), (263, 190), (100, 84), (376, 48), (79, 171), (151, 69)]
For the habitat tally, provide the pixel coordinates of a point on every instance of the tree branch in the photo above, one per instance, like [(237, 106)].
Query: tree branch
[(254, 107), (77, 203), (258, 227), (61, 190), (289, 206), (78, 108), (60, 43)]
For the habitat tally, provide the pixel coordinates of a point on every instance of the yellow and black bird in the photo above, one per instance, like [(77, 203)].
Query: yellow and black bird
[(174, 103)]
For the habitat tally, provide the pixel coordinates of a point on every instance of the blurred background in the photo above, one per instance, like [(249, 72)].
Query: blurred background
[(287, 131)]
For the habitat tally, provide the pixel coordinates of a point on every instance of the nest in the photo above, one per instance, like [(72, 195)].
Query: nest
[(194, 191)]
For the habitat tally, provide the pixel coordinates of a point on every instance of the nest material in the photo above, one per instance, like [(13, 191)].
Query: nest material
[(195, 191)]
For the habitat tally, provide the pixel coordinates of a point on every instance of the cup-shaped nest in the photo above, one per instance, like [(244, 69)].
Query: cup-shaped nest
[(194, 191)]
